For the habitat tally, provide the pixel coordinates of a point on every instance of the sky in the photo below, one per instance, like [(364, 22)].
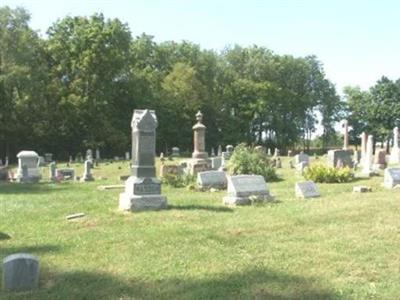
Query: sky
[(357, 41)]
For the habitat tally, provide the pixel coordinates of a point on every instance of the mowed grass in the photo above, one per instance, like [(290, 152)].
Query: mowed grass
[(339, 246)]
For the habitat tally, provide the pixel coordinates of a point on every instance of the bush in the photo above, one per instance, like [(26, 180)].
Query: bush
[(246, 160), (177, 181), (325, 174)]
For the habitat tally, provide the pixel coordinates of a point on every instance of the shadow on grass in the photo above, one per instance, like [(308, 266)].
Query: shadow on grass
[(35, 250), (201, 207), (250, 284), (31, 188), (4, 236)]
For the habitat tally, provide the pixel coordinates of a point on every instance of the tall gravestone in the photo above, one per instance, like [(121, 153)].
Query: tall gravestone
[(142, 188), (199, 142), (395, 153), (368, 158), (97, 154), (364, 138), (346, 135), (87, 173)]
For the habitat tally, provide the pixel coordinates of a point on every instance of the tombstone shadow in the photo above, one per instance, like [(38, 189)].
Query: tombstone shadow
[(31, 188), (201, 207), (256, 283)]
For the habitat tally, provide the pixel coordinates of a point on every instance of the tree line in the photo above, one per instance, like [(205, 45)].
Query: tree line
[(76, 88)]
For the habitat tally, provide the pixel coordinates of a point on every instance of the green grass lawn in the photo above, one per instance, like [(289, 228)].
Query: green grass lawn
[(339, 246)]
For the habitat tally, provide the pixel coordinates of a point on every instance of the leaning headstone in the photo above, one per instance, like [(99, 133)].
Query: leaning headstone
[(87, 174), (306, 189), (28, 169), (20, 272), (211, 179), (142, 188), (391, 177), (243, 188), (334, 156)]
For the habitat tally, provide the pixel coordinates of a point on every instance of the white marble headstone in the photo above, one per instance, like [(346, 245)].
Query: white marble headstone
[(391, 177), (306, 189)]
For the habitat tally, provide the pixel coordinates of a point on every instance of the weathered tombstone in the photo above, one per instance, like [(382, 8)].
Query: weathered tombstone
[(343, 155), (301, 158), (28, 169), (380, 159), (142, 188), (52, 171), (395, 152), (306, 189), (391, 177), (127, 156), (211, 179), (368, 158), (278, 163), (65, 174), (170, 169), (219, 153), (87, 174), (175, 152), (199, 132), (20, 272), (226, 156), (216, 162), (212, 152), (98, 154), (243, 188), (48, 157)]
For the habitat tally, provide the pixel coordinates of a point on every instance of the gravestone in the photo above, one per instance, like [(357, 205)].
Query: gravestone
[(87, 174), (276, 152), (212, 152), (391, 177), (142, 188), (170, 169), (278, 163), (306, 189), (211, 179), (290, 153), (364, 138), (127, 156), (65, 174), (52, 171), (175, 152), (89, 155), (20, 272), (343, 155), (48, 157), (196, 166), (368, 157), (269, 152), (28, 169), (199, 136), (301, 157), (346, 135), (98, 154), (226, 156), (219, 153), (242, 188), (379, 159), (216, 162)]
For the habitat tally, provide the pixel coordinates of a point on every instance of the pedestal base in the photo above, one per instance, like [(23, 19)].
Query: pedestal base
[(139, 203)]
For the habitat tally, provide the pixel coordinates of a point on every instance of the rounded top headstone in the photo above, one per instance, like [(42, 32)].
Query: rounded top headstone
[(27, 154)]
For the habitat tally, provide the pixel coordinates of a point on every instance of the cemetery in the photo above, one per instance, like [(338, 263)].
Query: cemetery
[(161, 170)]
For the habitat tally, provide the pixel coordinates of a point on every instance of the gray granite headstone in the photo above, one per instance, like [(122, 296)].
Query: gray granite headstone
[(241, 188), (20, 272), (306, 189), (345, 156), (391, 177), (211, 179), (142, 188), (300, 158)]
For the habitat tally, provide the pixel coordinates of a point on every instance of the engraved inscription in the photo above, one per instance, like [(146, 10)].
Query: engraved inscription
[(146, 144), (147, 189)]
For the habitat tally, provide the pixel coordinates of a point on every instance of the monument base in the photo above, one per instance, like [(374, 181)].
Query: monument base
[(232, 200), (199, 155), (142, 194), (143, 202)]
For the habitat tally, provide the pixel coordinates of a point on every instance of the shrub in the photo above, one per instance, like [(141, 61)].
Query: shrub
[(324, 174), (246, 160), (177, 181)]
